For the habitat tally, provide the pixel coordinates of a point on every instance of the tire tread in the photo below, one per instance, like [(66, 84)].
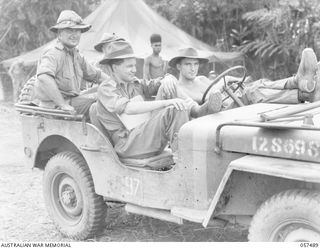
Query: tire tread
[(97, 212), (280, 200)]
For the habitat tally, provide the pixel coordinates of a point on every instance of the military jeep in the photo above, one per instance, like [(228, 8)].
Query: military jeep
[(256, 165)]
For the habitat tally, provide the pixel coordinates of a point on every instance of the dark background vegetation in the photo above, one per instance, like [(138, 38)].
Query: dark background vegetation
[(270, 33)]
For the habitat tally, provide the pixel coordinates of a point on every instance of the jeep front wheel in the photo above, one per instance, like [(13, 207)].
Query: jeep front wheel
[(292, 215), (77, 211)]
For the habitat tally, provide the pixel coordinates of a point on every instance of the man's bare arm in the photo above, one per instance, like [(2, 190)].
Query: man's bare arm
[(146, 69), (48, 86)]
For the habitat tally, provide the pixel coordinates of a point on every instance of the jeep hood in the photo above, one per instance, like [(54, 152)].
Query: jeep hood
[(200, 135)]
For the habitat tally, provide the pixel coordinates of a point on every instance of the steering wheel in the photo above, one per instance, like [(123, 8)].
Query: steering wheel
[(228, 87)]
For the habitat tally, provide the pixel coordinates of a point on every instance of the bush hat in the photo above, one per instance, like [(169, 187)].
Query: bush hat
[(107, 38), (70, 19), (118, 50), (187, 53)]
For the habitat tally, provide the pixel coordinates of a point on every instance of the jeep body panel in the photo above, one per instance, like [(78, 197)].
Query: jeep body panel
[(253, 179), (256, 178), (112, 179), (197, 143), (273, 142), (279, 167)]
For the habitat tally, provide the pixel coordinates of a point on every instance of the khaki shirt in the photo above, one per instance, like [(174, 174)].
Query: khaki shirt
[(69, 69), (113, 98)]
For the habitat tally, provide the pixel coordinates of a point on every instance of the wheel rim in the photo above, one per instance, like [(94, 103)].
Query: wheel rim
[(295, 231), (67, 198)]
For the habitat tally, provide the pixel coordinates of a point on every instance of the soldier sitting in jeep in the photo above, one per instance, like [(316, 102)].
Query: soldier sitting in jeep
[(62, 70), (292, 90), (123, 97)]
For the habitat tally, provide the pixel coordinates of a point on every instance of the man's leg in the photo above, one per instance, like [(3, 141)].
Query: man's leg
[(83, 103), (265, 91), (291, 90), (151, 137)]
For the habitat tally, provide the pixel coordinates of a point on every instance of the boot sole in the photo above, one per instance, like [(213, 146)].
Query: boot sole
[(315, 95)]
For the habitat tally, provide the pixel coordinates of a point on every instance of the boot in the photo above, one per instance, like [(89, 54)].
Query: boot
[(306, 71), (212, 105), (315, 95)]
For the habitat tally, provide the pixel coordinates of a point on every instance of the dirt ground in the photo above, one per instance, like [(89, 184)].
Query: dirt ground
[(23, 216)]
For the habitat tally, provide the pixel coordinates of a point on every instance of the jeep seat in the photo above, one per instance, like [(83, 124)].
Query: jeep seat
[(95, 121)]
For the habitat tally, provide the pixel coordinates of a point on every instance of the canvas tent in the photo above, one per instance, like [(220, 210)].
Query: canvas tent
[(135, 21)]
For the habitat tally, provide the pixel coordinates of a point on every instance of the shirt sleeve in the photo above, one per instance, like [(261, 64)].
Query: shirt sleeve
[(150, 87), (48, 64), (90, 72), (111, 98)]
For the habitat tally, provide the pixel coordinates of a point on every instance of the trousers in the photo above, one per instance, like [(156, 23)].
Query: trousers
[(82, 103), (266, 91), (260, 91), (151, 137)]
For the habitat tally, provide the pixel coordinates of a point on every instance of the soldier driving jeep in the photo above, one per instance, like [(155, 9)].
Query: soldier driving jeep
[(293, 90)]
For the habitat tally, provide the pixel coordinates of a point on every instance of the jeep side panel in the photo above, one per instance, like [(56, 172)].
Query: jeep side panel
[(45, 137)]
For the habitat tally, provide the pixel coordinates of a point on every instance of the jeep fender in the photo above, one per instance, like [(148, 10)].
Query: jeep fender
[(53, 136), (276, 167)]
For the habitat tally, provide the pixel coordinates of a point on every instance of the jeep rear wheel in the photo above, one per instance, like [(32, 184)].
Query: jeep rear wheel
[(77, 211), (292, 215)]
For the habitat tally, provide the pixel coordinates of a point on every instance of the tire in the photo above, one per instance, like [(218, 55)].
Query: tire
[(292, 215), (77, 211)]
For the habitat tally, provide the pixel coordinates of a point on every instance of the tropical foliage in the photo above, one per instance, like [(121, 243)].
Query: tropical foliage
[(271, 34), (276, 36)]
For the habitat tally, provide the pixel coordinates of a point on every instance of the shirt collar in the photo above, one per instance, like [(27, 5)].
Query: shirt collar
[(70, 51), (121, 84)]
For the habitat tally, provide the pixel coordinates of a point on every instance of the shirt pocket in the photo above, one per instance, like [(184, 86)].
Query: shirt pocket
[(66, 81)]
